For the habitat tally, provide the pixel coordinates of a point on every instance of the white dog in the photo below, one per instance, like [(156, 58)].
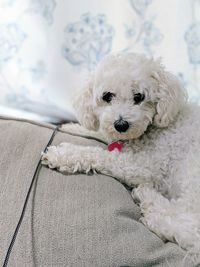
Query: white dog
[(133, 100)]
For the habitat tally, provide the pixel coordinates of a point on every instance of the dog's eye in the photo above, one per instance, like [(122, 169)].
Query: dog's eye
[(107, 96), (138, 98)]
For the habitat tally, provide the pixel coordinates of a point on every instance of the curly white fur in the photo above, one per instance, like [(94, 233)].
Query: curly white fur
[(162, 148)]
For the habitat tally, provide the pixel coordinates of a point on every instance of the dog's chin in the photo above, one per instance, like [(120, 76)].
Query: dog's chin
[(127, 136)]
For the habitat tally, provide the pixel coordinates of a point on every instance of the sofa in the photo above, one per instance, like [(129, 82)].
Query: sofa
[(71, 220)]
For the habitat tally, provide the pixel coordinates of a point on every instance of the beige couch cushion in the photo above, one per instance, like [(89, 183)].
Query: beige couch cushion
[(74, 220)]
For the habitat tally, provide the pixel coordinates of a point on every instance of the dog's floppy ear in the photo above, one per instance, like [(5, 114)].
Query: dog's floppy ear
[(170, 97), (84, 107)]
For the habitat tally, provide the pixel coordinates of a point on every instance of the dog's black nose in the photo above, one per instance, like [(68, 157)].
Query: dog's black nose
[(121, 125)]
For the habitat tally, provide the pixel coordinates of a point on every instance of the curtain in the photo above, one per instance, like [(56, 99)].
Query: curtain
[(49, 47)]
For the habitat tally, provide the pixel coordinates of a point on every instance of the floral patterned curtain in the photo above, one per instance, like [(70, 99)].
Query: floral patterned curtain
[(49, 47)]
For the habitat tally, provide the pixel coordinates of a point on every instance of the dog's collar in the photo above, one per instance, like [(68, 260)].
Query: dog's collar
[(117, 145)]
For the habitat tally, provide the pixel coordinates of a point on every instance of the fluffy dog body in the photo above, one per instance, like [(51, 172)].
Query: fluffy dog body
[(133, 99)]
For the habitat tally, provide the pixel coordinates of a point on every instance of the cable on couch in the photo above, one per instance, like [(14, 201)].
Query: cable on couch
[(34, 179), (35, 176)]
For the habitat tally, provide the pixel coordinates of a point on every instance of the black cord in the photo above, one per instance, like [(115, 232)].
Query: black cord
[(39, 165)]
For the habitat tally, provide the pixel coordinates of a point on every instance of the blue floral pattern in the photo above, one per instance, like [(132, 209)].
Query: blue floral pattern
[(192, 37), (140, 6), (88, 40), (42, 51), (11, 39), (37, 71), (143, 31), (45, 8)]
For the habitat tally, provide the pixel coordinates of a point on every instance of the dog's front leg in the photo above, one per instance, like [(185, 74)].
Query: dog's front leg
[(70, 158)]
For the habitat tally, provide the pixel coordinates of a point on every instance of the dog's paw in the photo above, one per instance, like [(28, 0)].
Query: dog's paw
[(63, 158), (50, 157)]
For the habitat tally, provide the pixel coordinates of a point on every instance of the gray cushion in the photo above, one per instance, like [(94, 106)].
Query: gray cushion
[(74, 220)]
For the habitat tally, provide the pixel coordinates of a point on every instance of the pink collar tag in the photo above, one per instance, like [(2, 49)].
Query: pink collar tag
[(119, 145)]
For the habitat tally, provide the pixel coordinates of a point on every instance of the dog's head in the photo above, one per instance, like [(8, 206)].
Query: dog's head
[(126, 94)]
